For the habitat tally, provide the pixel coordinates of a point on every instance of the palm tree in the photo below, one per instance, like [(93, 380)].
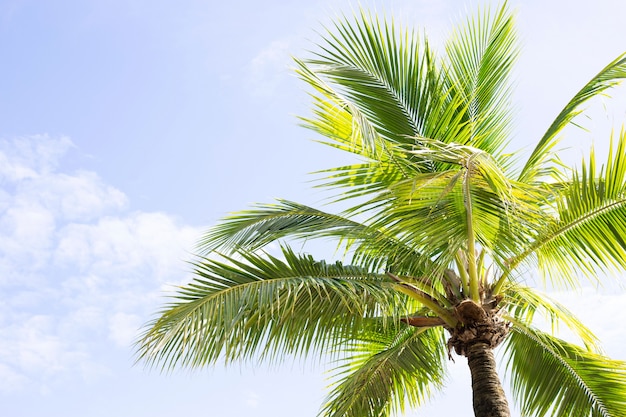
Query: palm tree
[(438, 228)]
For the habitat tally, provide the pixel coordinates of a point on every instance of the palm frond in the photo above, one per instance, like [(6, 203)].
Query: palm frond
[(252, 229), (425, 212), (372, 248), (366, 179), (481, 54), (551, 377), (263, 306), (386, 370), (372, 63), (524, 303), (587, 234), (339, 119), (542, 161), (377, 85), (429, 210)]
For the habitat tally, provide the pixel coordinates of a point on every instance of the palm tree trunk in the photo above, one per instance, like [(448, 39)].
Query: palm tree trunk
[(488, 395)]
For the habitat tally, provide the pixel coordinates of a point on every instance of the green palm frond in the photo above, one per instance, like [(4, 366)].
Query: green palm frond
[(413, 210), (261, 305), (429, 211), (543, 161), (377, 85), (551, 377), (364, 180), (340, 120), (481, 54), (386, 371), (372, 248), (523, 304), (588, 232), (252, 229), (369, 64)]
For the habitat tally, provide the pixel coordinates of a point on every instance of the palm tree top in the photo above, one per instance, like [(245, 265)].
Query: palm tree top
[(439, 223)]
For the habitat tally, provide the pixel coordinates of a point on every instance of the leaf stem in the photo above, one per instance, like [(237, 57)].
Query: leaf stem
[(460, 264), (471, 242), (424, 299)]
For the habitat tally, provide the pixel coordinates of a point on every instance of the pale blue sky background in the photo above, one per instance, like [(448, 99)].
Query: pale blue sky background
[(128, 127)]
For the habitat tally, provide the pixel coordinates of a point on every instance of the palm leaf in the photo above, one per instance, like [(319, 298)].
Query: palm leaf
[(481, 54), (551, 377), (376, 85), (385, 370), (587, 233), (372, 248), (429, 211), (338, 119), (261, 305), (372, 66), (250, 230), (523, 303), (542, 160)]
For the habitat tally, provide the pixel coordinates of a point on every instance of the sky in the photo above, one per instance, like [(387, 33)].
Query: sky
[(128, 127)]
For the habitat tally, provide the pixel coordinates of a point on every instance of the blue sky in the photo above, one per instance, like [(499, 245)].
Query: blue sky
[(128, 127)]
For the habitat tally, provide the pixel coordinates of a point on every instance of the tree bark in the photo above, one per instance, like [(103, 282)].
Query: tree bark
[(488, 395)]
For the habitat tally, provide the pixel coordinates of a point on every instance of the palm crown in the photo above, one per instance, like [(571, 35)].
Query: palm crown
[(441, 223)]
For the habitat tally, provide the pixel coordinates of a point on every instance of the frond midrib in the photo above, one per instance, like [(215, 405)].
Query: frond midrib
[(588, 216), (398, 343), (210, 297), (572, 372), (400, 100)]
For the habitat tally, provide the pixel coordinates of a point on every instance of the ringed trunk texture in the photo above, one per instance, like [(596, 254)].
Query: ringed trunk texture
[(488, 396)]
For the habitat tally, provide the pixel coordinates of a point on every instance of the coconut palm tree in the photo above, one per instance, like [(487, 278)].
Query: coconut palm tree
[(438, 229)]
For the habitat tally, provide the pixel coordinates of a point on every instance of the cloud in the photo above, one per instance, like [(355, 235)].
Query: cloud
[(135, 240), (30, 157), (80, 196), (35, 352), (78, 269)]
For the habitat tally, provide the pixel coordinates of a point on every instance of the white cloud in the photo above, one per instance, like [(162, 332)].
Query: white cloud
[(80, 196), (26, 229), (136, 240), (34, 354), (79, 271), (30, 157)]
